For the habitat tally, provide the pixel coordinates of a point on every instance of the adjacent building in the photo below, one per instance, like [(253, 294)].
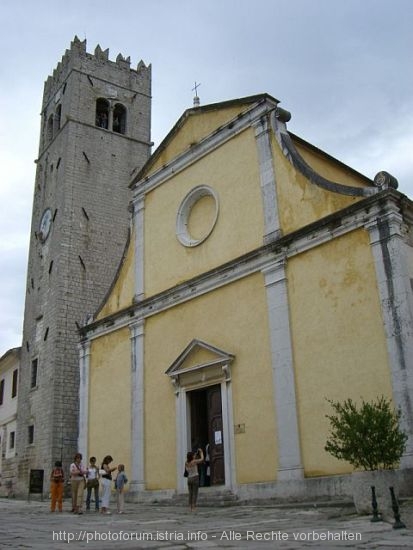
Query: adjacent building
[(9, 376)]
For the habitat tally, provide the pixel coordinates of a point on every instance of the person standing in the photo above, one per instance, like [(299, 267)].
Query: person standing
[(191, 466), (57, 479), (92, 483), (77, 481), (120, 481), (106, 485)]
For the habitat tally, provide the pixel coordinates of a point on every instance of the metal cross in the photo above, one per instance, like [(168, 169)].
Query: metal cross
[(195, 88)]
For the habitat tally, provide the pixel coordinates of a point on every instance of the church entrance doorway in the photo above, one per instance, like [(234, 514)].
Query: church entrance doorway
[(207, 432)]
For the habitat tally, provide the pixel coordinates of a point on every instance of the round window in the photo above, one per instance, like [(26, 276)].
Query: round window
[(197, 216)]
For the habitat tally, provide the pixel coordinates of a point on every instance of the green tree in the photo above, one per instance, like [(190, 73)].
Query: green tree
[(368, 437)]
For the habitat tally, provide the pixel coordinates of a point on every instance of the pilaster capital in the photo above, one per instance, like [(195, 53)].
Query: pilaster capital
[(387, 227), (138, 204), (275, 272), (84, 348), (261, 126), (137, 329)]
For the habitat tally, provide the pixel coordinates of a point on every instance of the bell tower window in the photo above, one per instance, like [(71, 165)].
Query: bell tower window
[(102, 113), (58, 116), (119, 119), (33, 378), (49, 133)]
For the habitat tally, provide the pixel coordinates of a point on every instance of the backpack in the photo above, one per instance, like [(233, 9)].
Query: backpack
[(57, 474)]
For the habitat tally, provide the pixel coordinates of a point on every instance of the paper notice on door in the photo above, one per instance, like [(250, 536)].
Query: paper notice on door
[(218, 438)]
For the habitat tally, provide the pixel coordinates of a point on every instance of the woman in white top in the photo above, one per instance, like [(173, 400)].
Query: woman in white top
[(106, 483), (92, 483), (191, 466)]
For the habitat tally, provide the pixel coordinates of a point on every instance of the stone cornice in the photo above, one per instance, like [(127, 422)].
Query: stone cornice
[(70, 119), (291, 153), (204, 147), (358, 215), (11, 418), (382, 181)]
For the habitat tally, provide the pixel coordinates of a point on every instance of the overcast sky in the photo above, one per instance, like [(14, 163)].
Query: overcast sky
[(344, 69)]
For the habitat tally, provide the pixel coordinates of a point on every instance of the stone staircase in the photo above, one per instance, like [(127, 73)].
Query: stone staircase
[(208, 497)]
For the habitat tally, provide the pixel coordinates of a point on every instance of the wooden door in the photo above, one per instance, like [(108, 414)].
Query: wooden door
[(199, 420), (215, 435)]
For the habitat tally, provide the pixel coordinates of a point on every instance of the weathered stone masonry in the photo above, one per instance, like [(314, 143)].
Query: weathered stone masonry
[(83, 172)]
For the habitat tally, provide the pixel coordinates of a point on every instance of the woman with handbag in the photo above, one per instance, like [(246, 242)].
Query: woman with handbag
[(77, 481), (92, 483)]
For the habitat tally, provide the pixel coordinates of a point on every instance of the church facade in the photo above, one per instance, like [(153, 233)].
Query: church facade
[(262, 278)]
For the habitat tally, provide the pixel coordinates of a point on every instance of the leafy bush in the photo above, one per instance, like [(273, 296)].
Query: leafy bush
[(368, 437)]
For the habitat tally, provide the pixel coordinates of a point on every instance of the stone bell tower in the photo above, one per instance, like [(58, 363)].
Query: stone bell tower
[(95, 132)]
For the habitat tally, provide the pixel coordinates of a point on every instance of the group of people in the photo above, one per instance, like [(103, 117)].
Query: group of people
[(92, 479)]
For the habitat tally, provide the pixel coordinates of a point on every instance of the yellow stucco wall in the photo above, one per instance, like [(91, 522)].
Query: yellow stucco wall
[(196, 127), (122, 293), (110, 398), (239, 227), (338, 338), (299, 201), (233, 319)]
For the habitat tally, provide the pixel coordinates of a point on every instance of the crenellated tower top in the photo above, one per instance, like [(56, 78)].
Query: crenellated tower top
[(77, 58), (92, 90)]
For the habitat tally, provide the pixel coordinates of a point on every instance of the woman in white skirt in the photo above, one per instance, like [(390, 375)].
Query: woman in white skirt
[(106, 483)]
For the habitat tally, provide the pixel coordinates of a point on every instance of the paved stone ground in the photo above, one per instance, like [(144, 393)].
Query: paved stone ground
[(260, 526)]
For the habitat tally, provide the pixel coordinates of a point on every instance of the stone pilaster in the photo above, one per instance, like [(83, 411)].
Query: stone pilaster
[(137, 483), (267, 179), (84, 364), (389, 247), (289, 451), (138, 213)]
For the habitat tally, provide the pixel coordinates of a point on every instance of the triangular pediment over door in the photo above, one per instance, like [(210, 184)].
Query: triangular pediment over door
[(200, 364)]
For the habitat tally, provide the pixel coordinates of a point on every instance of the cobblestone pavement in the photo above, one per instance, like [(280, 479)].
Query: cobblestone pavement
[(260, 526)]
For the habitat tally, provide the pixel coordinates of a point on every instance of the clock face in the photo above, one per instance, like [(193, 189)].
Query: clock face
[(45, 224)]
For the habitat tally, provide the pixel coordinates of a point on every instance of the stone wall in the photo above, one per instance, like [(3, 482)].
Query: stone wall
[(83, 175)]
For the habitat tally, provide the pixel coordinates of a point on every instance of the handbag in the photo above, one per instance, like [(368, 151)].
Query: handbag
[(92, 483), (186, 473)]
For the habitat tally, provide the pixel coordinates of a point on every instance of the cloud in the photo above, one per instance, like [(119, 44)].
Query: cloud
[(343, 69)]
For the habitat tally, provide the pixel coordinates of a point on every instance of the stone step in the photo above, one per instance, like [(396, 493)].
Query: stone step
[(208, 496)]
